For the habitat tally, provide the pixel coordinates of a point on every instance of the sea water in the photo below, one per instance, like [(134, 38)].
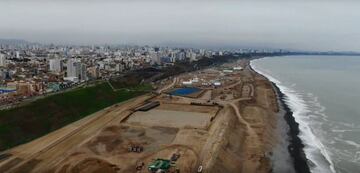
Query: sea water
[(324, 94)]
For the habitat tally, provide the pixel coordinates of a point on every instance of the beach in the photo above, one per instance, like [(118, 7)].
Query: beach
[(291, 141), (322, 93)]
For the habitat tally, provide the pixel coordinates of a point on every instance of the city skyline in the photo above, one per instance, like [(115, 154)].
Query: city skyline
[(297, 25)]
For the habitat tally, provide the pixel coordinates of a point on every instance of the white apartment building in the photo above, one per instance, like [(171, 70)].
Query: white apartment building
[(55, 65), (2, 60)]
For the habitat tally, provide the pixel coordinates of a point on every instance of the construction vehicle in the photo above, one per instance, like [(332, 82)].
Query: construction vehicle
[(136, 148), (159, 165), (140, 165), (175, 157)]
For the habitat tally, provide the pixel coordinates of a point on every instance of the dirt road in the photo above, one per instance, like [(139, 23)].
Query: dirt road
[(50, 148)]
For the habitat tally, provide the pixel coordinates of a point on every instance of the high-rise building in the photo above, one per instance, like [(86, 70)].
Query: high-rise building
[(76, 69), (83, 72), (55, 65), (202, 52), (2, 60), (71, 68), (17, 53)]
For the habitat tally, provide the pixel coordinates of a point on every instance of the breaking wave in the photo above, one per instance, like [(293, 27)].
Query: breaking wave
[(318, 157)]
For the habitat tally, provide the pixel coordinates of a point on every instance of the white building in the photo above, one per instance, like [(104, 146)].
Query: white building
[(228, 71), (17, 53), (55, 65), (71, 68), (76, 69), (192, 56), (217, 83), (238, 68), (187, 82), (2, 60)]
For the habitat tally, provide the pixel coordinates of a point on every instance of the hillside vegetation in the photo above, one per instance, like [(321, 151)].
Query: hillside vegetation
[(22, 124)]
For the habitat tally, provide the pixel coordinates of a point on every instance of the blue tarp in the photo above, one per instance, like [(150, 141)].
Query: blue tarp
[(184, 91)]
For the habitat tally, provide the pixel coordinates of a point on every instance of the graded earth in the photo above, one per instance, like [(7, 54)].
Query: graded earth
[(226, 126)]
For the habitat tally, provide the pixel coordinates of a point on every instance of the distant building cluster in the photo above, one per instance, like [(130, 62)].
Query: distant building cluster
[(33, 69), (28, 70)]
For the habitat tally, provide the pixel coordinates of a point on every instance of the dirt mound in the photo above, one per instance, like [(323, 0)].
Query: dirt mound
[(114, 129), (92, 165), (228, 154)]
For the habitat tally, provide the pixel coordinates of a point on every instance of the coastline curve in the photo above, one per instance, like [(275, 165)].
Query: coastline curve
[(302, 140)]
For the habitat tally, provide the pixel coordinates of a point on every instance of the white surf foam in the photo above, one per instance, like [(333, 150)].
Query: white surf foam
[(344, 130), (313, 146)]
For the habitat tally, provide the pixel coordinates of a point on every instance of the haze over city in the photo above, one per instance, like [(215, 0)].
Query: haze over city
[(305, 25), (170, 86)]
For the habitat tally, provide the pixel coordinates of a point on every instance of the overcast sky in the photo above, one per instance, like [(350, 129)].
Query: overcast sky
[(294, 24)]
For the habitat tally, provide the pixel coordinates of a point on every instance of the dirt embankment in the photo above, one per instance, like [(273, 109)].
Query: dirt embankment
[(247, 140), (226, 153)]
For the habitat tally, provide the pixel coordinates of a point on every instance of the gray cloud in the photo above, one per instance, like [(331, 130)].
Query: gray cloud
[(311, 25)]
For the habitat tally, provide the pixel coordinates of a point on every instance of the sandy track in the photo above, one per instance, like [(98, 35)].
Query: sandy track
[(67, 138)]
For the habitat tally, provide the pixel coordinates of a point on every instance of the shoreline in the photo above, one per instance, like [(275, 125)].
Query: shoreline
[(296, 146)]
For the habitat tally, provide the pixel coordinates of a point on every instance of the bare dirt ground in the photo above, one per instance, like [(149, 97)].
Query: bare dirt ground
[(227, 129), (170, 118)]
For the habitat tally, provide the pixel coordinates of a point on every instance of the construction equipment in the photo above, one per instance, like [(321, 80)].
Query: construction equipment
[(140, 165), (162, 165), (136, 148), (175, 157)]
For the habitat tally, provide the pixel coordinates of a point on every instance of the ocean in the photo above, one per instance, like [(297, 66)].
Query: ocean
[(324, 94)]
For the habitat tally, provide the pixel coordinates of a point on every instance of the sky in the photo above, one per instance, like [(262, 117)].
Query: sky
[(288, 24)]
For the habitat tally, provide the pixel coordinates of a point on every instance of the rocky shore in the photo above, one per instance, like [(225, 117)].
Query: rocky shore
[(295, 145)]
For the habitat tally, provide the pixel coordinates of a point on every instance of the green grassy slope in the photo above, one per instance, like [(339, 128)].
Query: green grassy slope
[(23, 124)]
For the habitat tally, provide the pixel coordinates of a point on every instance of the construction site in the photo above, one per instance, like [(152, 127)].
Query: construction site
[(220, 119)]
